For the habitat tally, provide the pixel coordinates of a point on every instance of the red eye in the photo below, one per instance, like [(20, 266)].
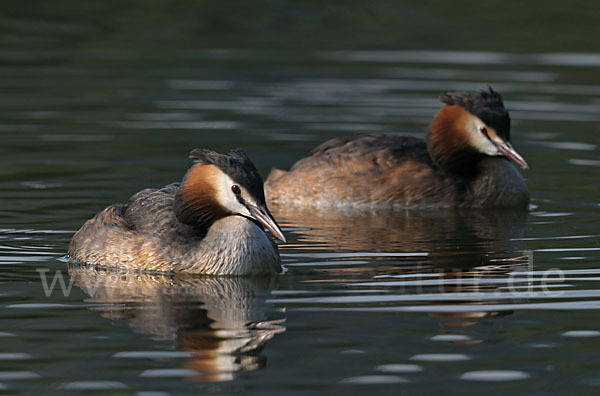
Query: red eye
[(483, 130), (236, 189)]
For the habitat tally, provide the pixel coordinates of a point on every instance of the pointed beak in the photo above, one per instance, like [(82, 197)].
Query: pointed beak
[(507, 150), (265, 218)]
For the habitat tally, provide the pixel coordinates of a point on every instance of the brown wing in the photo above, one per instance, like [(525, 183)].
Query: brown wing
[(390, 148), (360, 170)]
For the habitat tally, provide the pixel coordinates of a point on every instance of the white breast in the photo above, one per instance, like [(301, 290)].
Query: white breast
[(235, 245)]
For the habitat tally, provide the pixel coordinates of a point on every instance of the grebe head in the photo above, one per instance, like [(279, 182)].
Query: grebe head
[(220, 185), (469, 126)]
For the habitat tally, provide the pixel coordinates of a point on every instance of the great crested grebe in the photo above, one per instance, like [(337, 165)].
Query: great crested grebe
[(212, 223), (463, 163)]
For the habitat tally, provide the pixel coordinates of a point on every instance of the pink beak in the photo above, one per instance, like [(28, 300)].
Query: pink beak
[(509, 152)]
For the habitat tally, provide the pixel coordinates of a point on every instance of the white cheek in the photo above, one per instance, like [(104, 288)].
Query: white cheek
[(482, 143), (227, 198)]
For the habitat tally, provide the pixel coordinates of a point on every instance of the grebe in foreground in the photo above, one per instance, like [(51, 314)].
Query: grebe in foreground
[(212, 223), (463, 163)]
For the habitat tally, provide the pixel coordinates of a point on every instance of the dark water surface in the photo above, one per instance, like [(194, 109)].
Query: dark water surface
[(98, 103)]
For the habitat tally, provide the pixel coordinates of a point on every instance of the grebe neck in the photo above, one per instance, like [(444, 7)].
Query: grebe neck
[(448, 143), (195, 202)]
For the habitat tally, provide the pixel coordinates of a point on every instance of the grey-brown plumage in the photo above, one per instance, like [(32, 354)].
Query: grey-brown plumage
[(222, 232), (463, 163)]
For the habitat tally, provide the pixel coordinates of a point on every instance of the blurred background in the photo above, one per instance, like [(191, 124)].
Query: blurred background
[(99, 99), (122, 90)]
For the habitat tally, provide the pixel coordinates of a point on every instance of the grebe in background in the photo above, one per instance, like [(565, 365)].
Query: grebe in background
[(463, 163), (212, 223)]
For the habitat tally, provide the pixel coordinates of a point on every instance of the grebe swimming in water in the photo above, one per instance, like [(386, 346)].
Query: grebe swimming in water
[(212, 223), (463, 163)]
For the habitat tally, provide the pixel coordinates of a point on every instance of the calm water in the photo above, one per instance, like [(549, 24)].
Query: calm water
[(98, 103)]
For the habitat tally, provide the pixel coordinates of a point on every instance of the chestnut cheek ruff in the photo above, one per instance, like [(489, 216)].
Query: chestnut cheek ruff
[(195, 203), (448, 144)]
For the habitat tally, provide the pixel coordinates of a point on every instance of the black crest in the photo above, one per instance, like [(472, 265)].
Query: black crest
[(487, 105), (236, 165)]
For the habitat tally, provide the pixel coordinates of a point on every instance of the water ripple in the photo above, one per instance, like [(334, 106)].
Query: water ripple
[(399, 368), (174, 125), (584, 162), (465, 308), (440, 357), (374, 380), (153, 354), (581, 333), (433, 297), (14, 356), (92, 385), (494, 375), (166, 373), (450, 337), (467, 57), (18, 375)]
